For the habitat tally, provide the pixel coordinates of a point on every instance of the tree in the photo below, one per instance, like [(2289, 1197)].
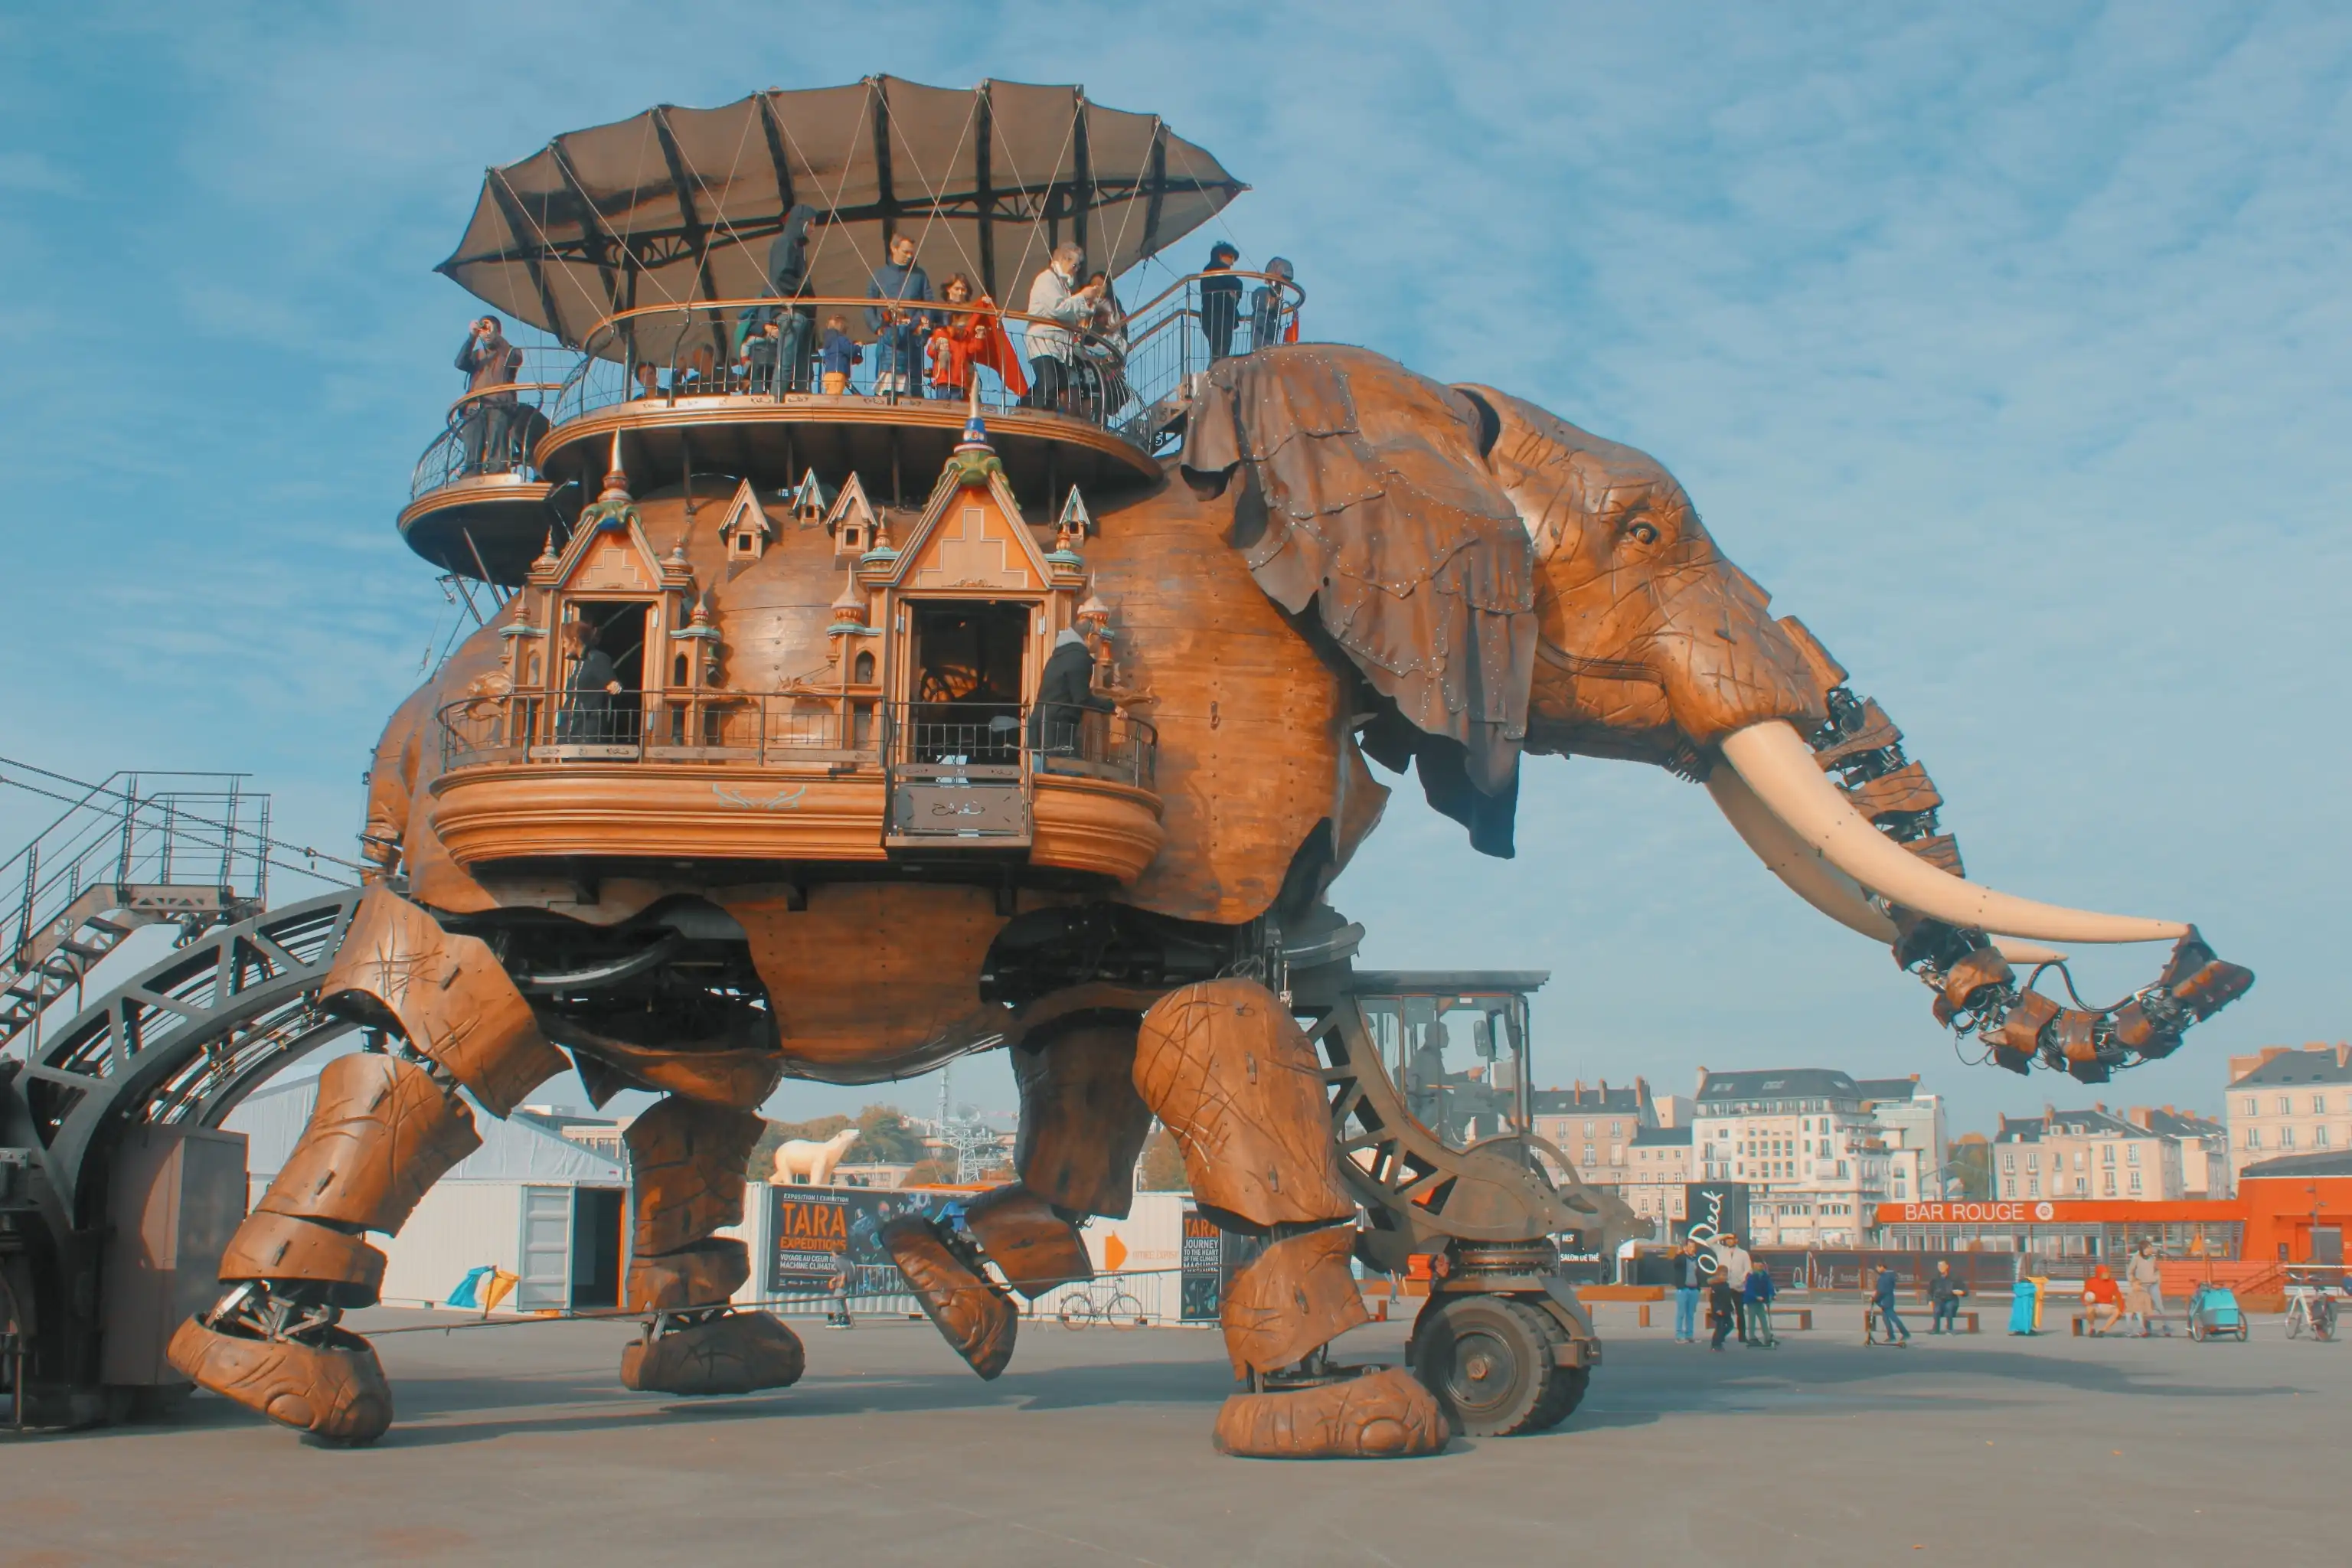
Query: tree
[(1970, 1166), (885, 1138), (1162, 1164)]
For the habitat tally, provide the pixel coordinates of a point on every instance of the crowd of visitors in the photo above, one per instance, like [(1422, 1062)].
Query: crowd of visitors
[(924, 341)]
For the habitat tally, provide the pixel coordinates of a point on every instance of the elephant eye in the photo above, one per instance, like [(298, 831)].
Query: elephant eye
[(1644, 532)]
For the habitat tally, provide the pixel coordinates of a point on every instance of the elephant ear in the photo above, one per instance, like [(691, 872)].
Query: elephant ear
[(1367, 494)]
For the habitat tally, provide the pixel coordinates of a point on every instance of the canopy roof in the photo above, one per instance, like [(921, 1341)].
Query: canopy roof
[(680, 203)]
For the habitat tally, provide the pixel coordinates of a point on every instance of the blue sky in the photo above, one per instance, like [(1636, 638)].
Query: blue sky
[(2005, 344)]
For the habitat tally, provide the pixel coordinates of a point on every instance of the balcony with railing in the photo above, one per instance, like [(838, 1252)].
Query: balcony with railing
[(765, 777), (477, 506)]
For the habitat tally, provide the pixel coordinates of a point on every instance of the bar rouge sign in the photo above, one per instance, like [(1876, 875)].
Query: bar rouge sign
[(1968, 1213)]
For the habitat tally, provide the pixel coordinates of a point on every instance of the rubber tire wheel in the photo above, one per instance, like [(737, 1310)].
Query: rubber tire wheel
[(1489, 1360), (2242, 1333), (2197, 1333)]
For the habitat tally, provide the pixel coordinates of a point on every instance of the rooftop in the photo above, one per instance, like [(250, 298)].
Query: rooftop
[(1889, 1088), (1778, 1083), (2339, 1164), (2096, 1122), (1625, 1097), (2171, 1124), (1662, 1137), (2315, 1063)]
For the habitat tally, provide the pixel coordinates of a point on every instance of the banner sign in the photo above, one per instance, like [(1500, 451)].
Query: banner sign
[(1712, 1210), (818, 1235), (1201, 1262)]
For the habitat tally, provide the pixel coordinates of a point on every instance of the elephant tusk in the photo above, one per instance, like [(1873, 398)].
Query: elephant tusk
[(1817, 881), (1777, 765)]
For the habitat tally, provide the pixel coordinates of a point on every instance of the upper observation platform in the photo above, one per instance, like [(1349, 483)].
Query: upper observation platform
[(825, 281)]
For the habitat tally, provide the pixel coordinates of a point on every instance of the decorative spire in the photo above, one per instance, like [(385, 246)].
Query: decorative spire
[(616, 478), (974, 462)]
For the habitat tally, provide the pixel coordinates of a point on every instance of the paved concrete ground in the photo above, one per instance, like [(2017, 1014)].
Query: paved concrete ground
[(517, 1445)]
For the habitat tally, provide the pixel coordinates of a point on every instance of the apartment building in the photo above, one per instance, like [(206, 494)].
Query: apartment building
[(2204, 1148), (1816, 1161), (2084, 1155), (1658, 1172), (2287, 1100), (1594, 1124), (1911, 1124)]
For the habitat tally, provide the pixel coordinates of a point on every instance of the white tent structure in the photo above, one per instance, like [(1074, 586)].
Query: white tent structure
[(528, 1201)]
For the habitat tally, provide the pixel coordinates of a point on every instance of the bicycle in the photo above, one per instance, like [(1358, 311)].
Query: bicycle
[(2310, 1310), (1101, 1301)]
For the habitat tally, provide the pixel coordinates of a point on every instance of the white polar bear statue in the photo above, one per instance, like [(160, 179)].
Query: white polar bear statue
[(802, 1163)]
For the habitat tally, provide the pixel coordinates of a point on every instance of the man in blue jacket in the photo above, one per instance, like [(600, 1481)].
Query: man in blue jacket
[(1688, 1278), (899, 333)]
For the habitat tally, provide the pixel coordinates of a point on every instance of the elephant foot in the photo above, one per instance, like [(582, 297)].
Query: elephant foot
[(731, 1352), (1377, 1413), (970, 1311), (327, 1384)]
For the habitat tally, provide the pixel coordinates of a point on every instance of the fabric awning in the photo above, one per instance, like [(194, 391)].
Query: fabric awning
[(678, 204)]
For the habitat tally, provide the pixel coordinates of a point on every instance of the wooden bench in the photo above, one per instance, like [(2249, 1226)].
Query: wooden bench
[(1964, 1317)]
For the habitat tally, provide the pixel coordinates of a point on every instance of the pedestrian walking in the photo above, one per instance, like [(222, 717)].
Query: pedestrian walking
[(1756, 1299), (1944, 1293), (1890, 1322)]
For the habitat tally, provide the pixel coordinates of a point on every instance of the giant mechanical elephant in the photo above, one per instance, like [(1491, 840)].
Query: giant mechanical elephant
[(1345, 560)]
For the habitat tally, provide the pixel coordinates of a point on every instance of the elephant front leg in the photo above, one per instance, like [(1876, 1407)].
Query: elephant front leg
[(686, 1176), (1082, 1126), (385, 1127), (1227, 1069)]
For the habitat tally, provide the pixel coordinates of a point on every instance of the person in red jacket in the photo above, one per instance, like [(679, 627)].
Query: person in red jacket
[(2102, 1300)]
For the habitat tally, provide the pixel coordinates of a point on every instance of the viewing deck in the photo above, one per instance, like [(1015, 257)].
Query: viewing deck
[(674, 382), (737, 776)]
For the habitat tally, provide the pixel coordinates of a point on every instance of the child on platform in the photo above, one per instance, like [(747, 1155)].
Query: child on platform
[(838, 355)]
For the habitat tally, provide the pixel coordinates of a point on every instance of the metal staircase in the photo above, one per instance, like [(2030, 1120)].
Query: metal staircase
[(133, 850)]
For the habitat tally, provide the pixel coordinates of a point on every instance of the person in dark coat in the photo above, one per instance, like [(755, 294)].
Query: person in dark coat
[(487, 426), (1268, 301), (1890, 1322), (1944, 1293), (1064, 696), (590, 715), (899, 333), (1221, 299), (1756, 1307), (788, 264), (1690, 1278), (1722, 1310)]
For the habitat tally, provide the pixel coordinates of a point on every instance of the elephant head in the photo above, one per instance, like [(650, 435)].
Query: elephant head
[(1505, 581)]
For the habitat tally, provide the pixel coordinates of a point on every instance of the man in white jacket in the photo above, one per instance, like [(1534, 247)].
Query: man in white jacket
[(1053, 349), (1733, 1259)]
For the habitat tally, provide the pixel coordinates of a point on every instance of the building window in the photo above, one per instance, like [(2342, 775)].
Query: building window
[(2135, 1181), (2286, 1105), (2131, 1155), (2286, 1137), (1616, 1130), (2320, 1105), (2008, 1161), (1842, 1168), (2032, 1186), (2319, 1137), (2111, 1183), (2009, 1186), (2108, 1155), (2253, 1137)]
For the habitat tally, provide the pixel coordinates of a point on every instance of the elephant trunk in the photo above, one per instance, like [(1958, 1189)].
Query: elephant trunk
[(1725, 664)]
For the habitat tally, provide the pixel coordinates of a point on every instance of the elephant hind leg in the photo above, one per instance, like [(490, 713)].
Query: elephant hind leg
[(687, 1172), (1226, 1067)]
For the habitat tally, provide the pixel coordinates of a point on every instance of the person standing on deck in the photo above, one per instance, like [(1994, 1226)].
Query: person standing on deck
[(1056, 297), (1732, 1261), (1066, 695), (1890, 1322), (1688, 1278), (1221, 299), (490, 362), (900, 332)]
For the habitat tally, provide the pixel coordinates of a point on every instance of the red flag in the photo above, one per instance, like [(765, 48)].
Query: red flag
[(995, 350)]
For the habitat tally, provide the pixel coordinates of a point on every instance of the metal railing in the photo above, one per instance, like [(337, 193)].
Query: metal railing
[(763, 729), (1130, 373), (780, 730), (491, 431)]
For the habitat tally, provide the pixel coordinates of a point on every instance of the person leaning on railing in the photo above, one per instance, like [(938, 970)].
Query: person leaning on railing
[(1066, 695), (897, 328), (1221, 299), (487, 426), (1268, 326), (1061, 303)]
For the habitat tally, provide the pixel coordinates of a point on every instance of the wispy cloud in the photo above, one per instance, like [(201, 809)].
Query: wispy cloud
[(2007, 345)]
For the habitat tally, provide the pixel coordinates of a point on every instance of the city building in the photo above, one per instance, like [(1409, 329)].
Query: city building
[(1593, 1124), (1911, 1124), (1658, 1173), (2204, 1147), (2297, 1208), (1816, 1160), (2285, 1100), (2084, 1155)]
